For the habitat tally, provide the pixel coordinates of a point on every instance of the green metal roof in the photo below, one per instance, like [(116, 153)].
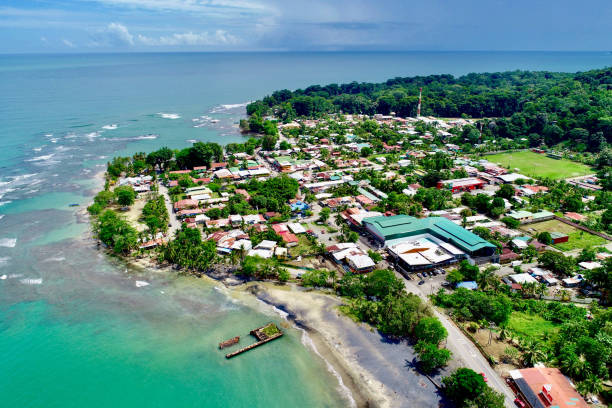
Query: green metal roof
[(520, 214), (366, 193), (543, 214), (400, 226)]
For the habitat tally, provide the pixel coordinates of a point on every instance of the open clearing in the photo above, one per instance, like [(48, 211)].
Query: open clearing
[(530, 325), (578, 239), (539, 165)]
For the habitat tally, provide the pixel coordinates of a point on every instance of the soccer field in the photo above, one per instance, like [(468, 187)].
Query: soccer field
[(577, 239), (539, 165)]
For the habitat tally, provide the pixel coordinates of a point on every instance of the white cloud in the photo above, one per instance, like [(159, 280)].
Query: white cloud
[(120, 34), (114, 34), (187, 5), (43, 39), (219, 37), (68, 43)]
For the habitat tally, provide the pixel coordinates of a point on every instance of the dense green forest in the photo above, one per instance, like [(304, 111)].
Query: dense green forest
[(554, 106)]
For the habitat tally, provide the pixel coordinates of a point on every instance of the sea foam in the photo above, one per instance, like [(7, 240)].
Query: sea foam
[(169, 115), (31, 281), (112, 126), (8, 242), (41, 158)]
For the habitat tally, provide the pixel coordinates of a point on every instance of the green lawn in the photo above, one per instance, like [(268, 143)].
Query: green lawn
[(578, 239), (304, 247), (539, 165), (530, 325)]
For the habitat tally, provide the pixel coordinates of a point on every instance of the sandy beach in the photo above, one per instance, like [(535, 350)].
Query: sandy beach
[(378, 372)]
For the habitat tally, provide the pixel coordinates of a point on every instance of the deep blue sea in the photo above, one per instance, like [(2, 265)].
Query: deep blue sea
[(75, 331)]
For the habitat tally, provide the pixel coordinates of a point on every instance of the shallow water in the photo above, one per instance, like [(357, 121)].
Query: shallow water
[(75, 330)]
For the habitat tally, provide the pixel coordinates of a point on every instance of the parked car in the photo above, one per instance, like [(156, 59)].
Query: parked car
[(421, 282), (519, 403), (440, 271), (419, 275)]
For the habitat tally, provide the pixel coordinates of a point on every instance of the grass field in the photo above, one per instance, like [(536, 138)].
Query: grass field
[(578, 239), (539, 165), (530, 325)]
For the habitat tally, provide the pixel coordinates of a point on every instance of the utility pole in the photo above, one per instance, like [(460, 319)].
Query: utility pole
[(419, 105)]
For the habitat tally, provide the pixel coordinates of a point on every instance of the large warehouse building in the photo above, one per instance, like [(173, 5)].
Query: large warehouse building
[(437, 231)]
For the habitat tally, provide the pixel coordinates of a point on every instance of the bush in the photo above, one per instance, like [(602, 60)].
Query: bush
[(510, 222), (125, 195), (464, 384), (430, 330), (545, 238), (431, 357), (95, 209)]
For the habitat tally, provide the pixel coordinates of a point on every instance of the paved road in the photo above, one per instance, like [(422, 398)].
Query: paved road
[(175, 225), (463, 348)]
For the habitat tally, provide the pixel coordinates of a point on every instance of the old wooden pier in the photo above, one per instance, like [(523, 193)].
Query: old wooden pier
[(263, 334)]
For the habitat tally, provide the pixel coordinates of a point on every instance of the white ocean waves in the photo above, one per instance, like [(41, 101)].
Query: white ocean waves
[(169, 115), (140, 284), (112, 126), (235, 105), (13, 183), (228, 107), (31, 281), (131, 139), (92, 135), (41, 158), (8, 242), (4, 260)]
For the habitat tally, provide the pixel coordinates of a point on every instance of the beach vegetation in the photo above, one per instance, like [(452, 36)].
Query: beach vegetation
[(189, 251), (431, 357), (125, 195), (115, 232), (321, 278), (464, 384), (155, 214), (261, 268)]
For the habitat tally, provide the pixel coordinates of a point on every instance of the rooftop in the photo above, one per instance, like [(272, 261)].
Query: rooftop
[(399, 226), (538, 383)]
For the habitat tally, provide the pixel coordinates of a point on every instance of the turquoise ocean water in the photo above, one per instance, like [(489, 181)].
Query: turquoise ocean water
[(75, 331)]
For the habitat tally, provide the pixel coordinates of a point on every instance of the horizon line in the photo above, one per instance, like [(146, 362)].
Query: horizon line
[(284, 51)]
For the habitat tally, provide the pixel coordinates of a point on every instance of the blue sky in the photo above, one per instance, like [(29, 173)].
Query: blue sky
[(220, 25)]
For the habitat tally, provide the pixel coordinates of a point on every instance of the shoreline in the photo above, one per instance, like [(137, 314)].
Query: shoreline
[(362, 388), (356, 384)]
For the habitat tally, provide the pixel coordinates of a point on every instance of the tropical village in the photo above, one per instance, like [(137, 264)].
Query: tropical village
[(435, 209)]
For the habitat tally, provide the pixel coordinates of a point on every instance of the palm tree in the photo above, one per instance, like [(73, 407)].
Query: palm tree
[(532, 355), (504, 333), (333, 275), (574, 365), (590, 385)]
